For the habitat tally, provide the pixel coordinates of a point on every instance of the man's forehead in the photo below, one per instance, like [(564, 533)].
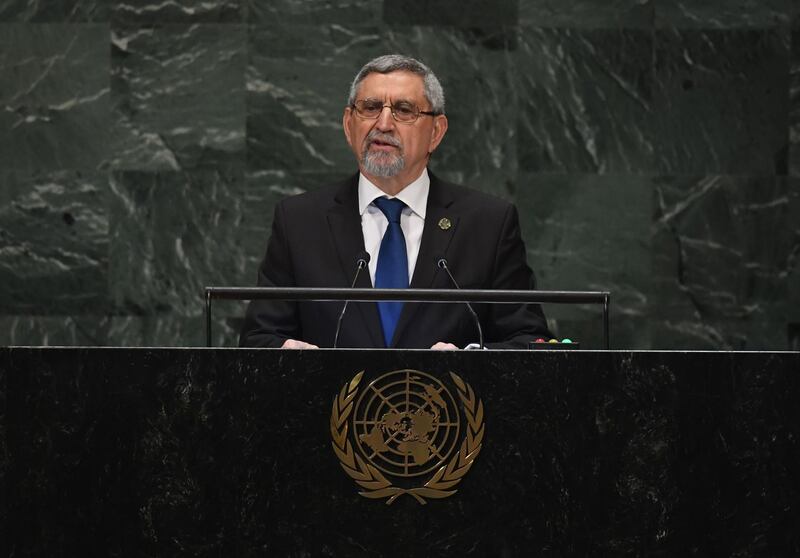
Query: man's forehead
[(394, 84)]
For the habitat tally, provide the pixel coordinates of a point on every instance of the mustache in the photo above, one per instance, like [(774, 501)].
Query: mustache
[(375, 135)]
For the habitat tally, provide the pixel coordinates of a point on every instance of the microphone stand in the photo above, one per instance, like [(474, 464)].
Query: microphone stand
[(361, 264), (442, 263)]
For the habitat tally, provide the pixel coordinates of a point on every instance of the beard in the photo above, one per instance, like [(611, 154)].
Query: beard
[(382, 163)]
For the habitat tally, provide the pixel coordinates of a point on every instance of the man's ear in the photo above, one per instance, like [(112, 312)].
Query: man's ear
[(439, 130), (346, 119)]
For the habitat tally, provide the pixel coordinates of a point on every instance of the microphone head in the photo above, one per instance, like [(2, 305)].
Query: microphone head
[(363, 259), (441, 263)]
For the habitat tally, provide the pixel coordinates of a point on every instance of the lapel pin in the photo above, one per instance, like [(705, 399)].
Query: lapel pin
[(444, 223)]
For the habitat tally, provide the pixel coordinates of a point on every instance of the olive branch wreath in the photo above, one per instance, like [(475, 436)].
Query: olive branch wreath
[(376, 485)]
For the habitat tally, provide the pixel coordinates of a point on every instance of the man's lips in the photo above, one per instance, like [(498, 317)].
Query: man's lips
[(381, 145), (382, 142)]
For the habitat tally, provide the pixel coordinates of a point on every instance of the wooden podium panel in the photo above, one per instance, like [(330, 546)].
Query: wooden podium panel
[(230, 452)]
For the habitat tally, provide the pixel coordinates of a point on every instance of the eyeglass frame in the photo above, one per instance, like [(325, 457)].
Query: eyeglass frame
[(391, 109)]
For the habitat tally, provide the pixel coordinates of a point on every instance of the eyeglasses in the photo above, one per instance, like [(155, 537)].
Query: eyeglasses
[(402, 111)]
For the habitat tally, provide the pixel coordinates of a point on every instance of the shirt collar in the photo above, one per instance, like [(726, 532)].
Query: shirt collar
[(415, 195)]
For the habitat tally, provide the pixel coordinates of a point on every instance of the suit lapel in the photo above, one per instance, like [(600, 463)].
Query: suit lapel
[(435, 241), (344, 222)]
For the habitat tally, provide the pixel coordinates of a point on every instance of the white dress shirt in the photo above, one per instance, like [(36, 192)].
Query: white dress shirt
[(412, 220)]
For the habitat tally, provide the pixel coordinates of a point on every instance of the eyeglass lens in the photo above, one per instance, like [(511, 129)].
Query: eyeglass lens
[(402, 110)]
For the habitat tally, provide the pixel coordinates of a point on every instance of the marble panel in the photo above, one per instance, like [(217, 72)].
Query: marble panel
[(573, 14), (794, 106), (625, 332), (478, 78), (157, 330), (55, 331), (172, 234), (460, 13), (314, 12), (500, 183), (591, 233), (793, 275), (55, 93), (178, 11), (725, 249), (56, 11), (296, 93), (722, 14), (178, 97), (721, 101), (794, 336), (178, 331), (295, 122), (585, 101), (54, 243), (681, 334)]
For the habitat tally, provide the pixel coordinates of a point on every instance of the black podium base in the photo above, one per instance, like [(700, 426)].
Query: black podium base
[(214, 452)]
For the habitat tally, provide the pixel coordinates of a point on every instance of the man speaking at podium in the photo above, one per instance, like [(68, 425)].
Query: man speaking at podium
[(402, 221)]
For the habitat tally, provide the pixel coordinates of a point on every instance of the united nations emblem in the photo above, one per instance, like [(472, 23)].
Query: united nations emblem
[(406, 434)]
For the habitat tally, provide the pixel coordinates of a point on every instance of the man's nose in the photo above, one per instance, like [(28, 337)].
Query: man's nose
[(385, 119)]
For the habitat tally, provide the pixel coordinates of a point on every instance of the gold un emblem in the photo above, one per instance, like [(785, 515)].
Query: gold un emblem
[(399, 435)]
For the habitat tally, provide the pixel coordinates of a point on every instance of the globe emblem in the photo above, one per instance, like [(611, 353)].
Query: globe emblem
[(406, 423)]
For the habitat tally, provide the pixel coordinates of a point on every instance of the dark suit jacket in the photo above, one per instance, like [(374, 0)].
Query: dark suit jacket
[(316, 240)]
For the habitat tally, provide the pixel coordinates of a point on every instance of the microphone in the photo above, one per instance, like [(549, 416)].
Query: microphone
[(361, 262), (442, 263)]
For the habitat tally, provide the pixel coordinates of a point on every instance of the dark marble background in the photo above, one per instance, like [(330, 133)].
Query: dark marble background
[(653, 148)]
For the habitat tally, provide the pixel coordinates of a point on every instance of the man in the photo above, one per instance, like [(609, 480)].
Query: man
[(406, 219)]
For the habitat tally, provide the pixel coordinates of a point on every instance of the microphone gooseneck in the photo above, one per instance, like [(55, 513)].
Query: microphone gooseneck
[(442, 263), (361, 263)]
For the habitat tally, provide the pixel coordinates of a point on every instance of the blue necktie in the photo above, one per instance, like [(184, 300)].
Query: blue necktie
[(392, 271)]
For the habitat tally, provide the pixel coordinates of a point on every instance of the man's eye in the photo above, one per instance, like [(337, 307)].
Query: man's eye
[(372, 106), (404, 109)]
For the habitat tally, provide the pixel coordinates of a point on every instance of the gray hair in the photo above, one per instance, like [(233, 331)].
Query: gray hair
[(398, 63)]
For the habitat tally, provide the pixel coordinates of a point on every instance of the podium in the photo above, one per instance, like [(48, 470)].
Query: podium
[(231, 452)]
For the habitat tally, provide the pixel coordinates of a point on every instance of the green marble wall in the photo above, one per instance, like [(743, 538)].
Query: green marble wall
[(653, 148)]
